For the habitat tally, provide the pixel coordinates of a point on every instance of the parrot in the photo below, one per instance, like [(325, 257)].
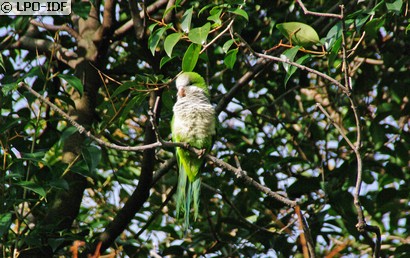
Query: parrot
[(193, 122)]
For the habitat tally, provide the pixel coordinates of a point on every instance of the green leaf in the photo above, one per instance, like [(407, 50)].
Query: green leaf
[(215, 15), (32, 187), (206, 7), (299, 33), (73, 81), (81, 8), (290, 69), (334, 52), (333, 35), (378, 135), (5, 126), (372, 27), (123, 87), (227, 45), (92, 156), (240, 12), (395, 6), (152, 27), (230, 58), (2, 62), (154, 39), (186, 20), (35, 72), (191, 57), (165, 60), (67, 132), (5, 222), (289, 54), (133, 103), (10, 87), (170, 41), (60, 183), (199, 35), (168, 10)]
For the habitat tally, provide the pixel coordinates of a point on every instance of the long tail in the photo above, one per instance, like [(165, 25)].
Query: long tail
[(187, 193)]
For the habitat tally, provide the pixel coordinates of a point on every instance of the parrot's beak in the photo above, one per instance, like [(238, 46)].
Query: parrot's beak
[(181, 92)]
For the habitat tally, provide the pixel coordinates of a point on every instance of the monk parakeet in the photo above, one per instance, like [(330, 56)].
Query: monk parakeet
[(193, 123)]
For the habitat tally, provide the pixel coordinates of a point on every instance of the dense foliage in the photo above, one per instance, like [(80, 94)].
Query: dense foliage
[(110, 66)]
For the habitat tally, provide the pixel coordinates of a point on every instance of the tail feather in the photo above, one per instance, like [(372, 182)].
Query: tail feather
[(188, 205), (196, 189), (187, 192), (181, 193)]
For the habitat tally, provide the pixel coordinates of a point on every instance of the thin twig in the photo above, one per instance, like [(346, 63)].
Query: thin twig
[(302, 67), (307, 12), (241, 174), (156, 213), (52, 27), (344, 58), (341, 131), (84, 131), (218, 36), (306, 237)]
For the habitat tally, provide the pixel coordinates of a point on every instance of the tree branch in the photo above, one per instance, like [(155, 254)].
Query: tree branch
[(136, 19), (108, 21), (87, 133), (244, 80), (45, 46), (51, 27), (241, 174), (141, 193), (149, 145), (129, 24)]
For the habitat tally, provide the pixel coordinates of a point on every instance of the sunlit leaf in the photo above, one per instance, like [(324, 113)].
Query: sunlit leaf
[(154, 39), (299, 33), (170, 41), (191, 57), (186, 20), (215, 15), (8, 88), (199, 35), (334, 34), (395, 6), (290, 55), (230, 58), (227, 45), (240, 12)]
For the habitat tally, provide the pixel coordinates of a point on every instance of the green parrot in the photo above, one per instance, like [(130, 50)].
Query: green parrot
[(193, 123)]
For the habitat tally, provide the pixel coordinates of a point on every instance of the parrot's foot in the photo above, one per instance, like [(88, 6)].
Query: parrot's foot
[(187, 145), (201, 153)]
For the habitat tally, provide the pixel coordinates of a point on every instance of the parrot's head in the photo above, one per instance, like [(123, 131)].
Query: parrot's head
[(189, 83)]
